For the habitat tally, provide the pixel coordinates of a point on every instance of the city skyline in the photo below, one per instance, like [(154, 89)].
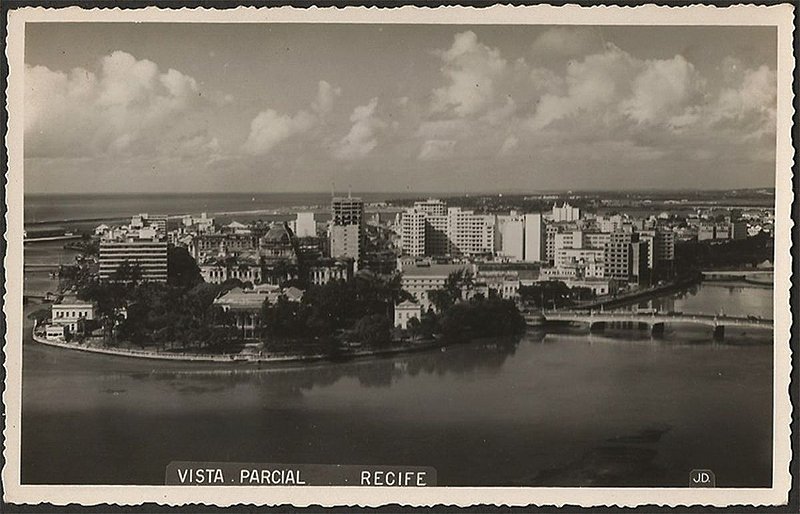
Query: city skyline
[(453, 109)]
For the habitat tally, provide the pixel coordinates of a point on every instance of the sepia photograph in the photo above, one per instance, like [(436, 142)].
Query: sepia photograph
[(389, 253)]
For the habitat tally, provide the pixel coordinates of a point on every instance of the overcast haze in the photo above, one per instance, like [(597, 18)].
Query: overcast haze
[(271, 108)]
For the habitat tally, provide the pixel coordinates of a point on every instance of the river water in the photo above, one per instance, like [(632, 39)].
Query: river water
[(557, 409)]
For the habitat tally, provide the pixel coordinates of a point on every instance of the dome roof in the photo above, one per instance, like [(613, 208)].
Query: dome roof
[(277, 234)]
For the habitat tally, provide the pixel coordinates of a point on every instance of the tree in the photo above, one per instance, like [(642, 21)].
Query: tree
[(481, 318), (546, 294), (284, 318), (580, 294), (453, 290), (182, 270), (373, 330)]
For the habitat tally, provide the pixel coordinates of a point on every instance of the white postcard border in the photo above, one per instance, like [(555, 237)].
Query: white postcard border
[(780, 16)]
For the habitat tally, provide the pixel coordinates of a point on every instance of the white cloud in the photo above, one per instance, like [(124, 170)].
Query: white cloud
[(326, 94), (546, 80), (754, 95), (362, 137), (565, 42), (594, 83), (437, 149), (270, 128), (664, 88), (128, 105), (472, 70)]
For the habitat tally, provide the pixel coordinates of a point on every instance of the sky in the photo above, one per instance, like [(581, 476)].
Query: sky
[(157, 107)]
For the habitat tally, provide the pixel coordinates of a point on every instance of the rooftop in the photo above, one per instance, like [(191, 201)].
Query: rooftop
[(433, 270), (277, 234), (407, 305)]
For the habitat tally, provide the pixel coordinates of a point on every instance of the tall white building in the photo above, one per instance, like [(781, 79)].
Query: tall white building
[(305, 225), (512, 236), (470, 233), (456, 232), (661, 247), (412, 232), (431, 206), (550, 242), (347, 228), (535, 238), (573, 239), (437, 239), (566, 213)]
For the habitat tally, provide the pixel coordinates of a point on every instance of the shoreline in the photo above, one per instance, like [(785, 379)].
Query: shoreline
[(234, 358), (645, 294)]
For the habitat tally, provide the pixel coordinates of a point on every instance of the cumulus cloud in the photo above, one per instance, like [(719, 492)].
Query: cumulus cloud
[(326, 94), (437, 149), (565, 42), (363, 135), (126, 105), (663, 89), (270, 128), (750, 99), (594, 83), (472, 70)]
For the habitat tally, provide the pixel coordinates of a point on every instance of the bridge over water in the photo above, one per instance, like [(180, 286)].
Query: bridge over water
[(654, 321)]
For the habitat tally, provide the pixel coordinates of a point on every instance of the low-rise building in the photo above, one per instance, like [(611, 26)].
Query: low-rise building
[(217, 273), (327, 270), (420, 280), (207, 246), (246, 305), (706, 233), (405, 312), (70, 312), (500, 284)]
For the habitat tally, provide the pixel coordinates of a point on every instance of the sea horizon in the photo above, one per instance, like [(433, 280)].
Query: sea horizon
[(406, 193)]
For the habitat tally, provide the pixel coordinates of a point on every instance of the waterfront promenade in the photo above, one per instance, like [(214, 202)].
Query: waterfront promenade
[(230, 358)]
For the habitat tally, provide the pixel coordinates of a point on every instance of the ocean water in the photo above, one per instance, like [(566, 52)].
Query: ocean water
[(63, 209)]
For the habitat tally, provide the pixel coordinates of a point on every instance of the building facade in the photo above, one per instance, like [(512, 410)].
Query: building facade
[(347, 234), (512, 237), (405, 312), (305, 225), (70, 312), (535, 238), (626, 258), (150, 257), (565, 213), (412, 232)]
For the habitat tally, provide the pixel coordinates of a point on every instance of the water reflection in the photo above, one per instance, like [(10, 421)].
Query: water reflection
[(561, 409), (459, 359)]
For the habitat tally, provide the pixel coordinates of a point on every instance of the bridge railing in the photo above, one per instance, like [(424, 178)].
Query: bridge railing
[(622, 315)]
